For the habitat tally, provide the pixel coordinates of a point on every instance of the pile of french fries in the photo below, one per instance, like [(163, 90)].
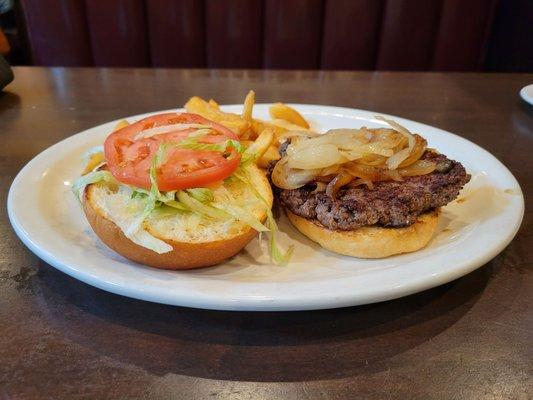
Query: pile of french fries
[(260, 137)]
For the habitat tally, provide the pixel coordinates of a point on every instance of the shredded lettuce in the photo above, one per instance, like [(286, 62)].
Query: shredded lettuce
[(92, 177), (144, 238), (203, 195), (139, 191), (162, 197), (242, 214), (150, 201), (167, 196), (137, 195), (164, 211), (200, 208), (276, 254), (158, 130), (176, 205), (192, 143)]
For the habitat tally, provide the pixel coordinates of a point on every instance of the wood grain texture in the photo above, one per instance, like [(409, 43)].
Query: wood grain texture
[(176, 33), (118, 33), (62, 339)]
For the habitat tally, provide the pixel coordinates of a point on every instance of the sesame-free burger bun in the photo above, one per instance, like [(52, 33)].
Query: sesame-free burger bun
[(370, 241), (190, 250)]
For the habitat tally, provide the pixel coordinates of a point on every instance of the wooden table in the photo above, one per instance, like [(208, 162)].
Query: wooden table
[(59, 338)]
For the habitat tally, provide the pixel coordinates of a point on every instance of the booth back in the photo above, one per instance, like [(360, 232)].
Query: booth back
[(443, 35)]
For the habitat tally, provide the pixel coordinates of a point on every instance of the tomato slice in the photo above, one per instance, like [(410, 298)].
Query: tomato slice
[(129, 156)]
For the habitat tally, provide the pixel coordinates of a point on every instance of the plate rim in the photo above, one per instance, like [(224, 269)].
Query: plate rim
[(235, 303), (526, 96)]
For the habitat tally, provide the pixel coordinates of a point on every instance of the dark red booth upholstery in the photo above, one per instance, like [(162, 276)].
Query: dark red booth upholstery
[(448, 35)]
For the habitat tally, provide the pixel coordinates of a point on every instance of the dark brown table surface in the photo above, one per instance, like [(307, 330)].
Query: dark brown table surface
[(469, 339)]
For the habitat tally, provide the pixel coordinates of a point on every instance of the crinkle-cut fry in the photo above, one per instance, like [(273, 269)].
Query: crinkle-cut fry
[(232, 121), (248, 106), (270, 154), (284, 112), (121, 124), (261, 144)]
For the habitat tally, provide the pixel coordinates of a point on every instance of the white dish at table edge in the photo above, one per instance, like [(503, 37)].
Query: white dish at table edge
[(527, 94), (48, 219)]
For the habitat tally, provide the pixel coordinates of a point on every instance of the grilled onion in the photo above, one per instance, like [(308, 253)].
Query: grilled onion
[(320, 187), (419, 148), (352, 156), (320, 156), (291, 178), (359, 182), (420, 167), (336, 183)]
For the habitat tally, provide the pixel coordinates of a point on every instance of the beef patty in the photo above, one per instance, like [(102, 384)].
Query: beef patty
[(391, 203)]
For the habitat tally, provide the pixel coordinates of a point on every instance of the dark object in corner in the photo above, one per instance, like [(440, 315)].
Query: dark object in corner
[(6, 74)]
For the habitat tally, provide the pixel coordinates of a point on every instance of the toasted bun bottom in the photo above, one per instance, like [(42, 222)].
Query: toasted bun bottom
[(183, 256), (370, 241)]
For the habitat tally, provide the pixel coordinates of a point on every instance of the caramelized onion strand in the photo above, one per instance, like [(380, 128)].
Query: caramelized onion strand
[(336, 183)]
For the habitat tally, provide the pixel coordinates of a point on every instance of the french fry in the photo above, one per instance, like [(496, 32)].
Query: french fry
[(289, 126), (249, 135), (213, 104), (281, 128), (248, 106), (284, 112), (121, 124), (94, 160), (261, 144), (270, 154), (98, 158), (234, 122), (258, 126)]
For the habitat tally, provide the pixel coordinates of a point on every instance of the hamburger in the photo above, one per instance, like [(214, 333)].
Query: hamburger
[(175, 191), (367, 193)]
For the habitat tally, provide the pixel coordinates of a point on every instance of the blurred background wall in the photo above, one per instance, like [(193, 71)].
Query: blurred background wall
[(438, 35)]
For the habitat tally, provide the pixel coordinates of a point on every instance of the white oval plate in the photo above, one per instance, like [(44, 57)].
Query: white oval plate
[(48, 219)]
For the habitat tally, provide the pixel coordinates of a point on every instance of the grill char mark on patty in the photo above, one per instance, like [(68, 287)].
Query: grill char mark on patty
[(390, 204)]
